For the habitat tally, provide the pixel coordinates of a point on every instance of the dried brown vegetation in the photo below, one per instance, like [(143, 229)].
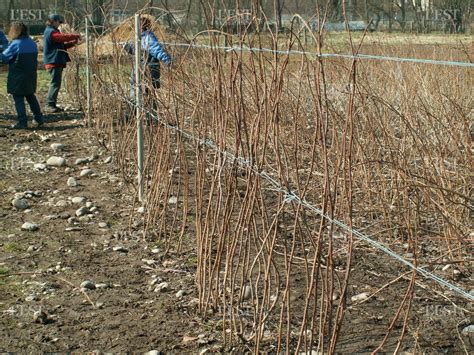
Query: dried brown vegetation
[(247, 151)]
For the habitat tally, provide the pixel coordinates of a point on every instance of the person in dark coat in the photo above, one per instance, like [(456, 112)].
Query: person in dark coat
[(22, 59), (56, 57), (3, 41)]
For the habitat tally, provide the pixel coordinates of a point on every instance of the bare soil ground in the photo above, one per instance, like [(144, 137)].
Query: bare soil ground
[(42, 270)]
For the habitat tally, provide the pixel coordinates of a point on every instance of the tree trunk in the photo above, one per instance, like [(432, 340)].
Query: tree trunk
[(390, 16), (168, 15), (404, 15), (188, 11), (150, 7), (277, 11), (335, 9), (366, 11), (10, 7)]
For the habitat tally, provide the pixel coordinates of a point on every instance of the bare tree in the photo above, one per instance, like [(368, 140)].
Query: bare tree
[(10, 7), (401, 4), (278, 8), (336, 7), (456, 12)]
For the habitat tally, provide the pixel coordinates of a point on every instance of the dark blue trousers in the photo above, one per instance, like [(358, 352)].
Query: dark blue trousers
[(54, 86), (21, 108)]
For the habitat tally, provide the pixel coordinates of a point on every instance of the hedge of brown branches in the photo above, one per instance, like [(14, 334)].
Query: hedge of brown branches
[(384, 147)]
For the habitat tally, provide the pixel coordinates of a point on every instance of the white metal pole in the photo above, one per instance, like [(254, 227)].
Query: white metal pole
[(88, 73), (139, 103)]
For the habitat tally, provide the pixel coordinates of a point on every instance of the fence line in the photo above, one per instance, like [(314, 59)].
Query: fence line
[(325, 55), (88, 71), (139, 100), (291, 196)]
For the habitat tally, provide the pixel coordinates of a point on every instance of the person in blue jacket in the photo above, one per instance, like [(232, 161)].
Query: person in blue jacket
[(22, 58), (3, 41), (55, 57), (153, 53)]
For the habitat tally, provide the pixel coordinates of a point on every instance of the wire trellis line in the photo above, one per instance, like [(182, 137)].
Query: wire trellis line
[(325, 55), (291, 197)]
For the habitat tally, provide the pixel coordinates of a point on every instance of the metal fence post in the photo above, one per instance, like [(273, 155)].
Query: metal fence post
[(139, 103), (88, 73)]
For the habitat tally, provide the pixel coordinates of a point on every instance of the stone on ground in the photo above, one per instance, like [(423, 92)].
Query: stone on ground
[(20, 203), (71, 182), (30, 227), (56, 161)]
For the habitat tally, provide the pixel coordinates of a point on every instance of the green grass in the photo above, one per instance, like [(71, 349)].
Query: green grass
[(13, 248), (9, 285), (3, 271), (191, 262)]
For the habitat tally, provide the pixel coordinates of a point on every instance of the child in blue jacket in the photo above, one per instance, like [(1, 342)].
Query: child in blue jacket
[(22, 59), (153, 53)]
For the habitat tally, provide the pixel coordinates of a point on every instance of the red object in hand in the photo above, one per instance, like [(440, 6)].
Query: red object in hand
[(69, 41), (59, 37)]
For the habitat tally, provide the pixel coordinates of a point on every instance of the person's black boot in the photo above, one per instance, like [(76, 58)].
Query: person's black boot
[(20, 125), (39, 121)]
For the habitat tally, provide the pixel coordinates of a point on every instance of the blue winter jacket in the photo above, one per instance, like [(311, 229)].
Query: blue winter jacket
[(22, 59), (151, 45), (153, 48), (3, 41)]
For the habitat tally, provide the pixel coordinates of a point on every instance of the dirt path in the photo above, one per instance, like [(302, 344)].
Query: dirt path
[(85, 236)]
